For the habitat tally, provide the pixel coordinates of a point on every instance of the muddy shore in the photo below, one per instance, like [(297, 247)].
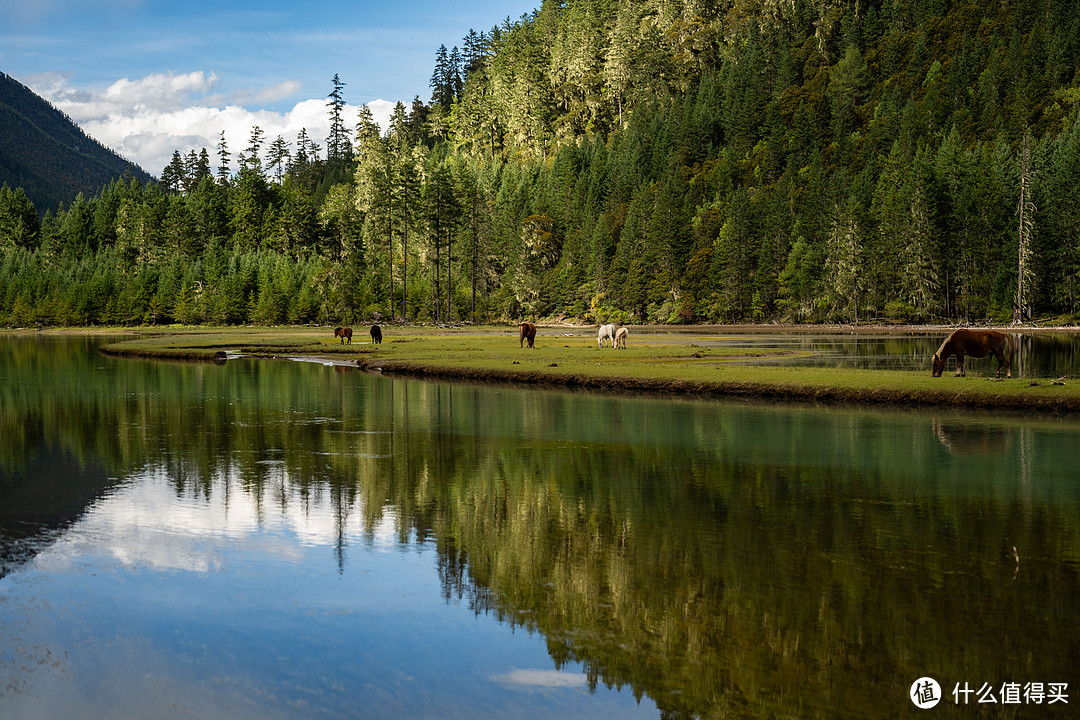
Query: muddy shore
[(742, 390)]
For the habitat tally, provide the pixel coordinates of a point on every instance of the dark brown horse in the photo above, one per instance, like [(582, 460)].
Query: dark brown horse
[(976, 343), (343, 333), (526, 331), (376, 334)]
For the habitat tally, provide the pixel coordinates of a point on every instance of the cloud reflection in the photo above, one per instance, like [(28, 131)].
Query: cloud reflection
[(534, 677), (146, 523)]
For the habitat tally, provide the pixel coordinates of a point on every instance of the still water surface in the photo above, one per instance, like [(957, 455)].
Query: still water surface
[(269, 539), (1039, 354)]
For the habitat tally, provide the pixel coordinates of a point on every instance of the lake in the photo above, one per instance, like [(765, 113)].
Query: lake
[(1040, 353), (277, 539)]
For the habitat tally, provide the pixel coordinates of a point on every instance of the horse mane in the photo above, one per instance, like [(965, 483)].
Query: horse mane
[(944, 345)]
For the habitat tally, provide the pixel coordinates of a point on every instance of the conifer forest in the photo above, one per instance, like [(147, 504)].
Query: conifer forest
[(639, 161)]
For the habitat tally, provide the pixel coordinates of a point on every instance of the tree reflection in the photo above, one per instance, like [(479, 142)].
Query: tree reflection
[(721, 559)]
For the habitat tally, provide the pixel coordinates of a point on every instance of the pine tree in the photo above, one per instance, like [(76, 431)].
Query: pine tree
[(338, 147), (173, 174), (474, 53), (618, 69), (19, 223), (223, 172), (442, 89), (1025, 274), (373, 199), (442, 212), (1062, 216), (202, 168), (844, 265), (404, 185), (456, 80), (250, 158), (278, 157)]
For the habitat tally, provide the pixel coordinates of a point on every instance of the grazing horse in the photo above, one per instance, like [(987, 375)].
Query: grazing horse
[(976, 343), (526, 331), (343, 333), (608, 332), (620, 337), (376, 334)]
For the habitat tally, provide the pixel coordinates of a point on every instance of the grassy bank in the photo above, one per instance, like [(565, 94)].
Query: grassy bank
[(654, 362)]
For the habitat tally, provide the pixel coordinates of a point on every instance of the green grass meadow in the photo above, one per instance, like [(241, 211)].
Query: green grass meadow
[(653, 362)]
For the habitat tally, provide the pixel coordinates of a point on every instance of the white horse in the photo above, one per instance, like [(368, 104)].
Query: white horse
[(606, 331), (620, 337)]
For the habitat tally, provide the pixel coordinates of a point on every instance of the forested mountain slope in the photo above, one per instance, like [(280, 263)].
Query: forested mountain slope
[(46, 154), (635, 160)]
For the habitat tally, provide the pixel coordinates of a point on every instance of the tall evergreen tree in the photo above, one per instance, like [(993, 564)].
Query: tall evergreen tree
[(223, 172), (251, 159), (19, 223), (278, 157), (172, 176), (338, 147), (374, 201), (1025, 274), (441, 83), (404, 184), (442, 211)]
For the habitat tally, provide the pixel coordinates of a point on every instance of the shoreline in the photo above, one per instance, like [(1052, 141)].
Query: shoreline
[(568, 359), (733, 390)]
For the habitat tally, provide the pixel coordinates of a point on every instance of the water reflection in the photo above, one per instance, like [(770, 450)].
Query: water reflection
[(1040, 354), (974, 439), (292, 539)]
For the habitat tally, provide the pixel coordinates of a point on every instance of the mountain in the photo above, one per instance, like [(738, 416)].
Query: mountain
[(49, 156)]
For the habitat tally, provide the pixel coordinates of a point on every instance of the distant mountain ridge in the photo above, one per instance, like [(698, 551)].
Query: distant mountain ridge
[(50, 157)]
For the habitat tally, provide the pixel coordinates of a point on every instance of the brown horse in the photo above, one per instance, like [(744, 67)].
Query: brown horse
[(376, 334), (526, 331), (343, 333), (976, 343)]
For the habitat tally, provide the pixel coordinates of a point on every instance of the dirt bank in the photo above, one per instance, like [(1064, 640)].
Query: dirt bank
[(757, 391)]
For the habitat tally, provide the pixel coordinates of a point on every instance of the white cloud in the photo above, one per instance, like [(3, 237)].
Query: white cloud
[(268, 95), (148, 118)]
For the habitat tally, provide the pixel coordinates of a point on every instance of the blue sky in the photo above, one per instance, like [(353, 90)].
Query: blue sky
[(148, 77)]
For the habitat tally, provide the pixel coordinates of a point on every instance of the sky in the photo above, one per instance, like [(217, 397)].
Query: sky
[(147, 78)]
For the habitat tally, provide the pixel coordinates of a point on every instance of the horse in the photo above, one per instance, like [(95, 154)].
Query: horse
[(343, 333), (526, 331), (376, 334), (620, 337), (606, 331), (976, 343)]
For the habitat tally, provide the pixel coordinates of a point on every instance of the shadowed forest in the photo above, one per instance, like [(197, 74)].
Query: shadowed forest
[(660, 161)]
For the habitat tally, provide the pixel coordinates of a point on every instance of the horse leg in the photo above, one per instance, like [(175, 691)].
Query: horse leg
[(1003, 363), (960, 365)]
